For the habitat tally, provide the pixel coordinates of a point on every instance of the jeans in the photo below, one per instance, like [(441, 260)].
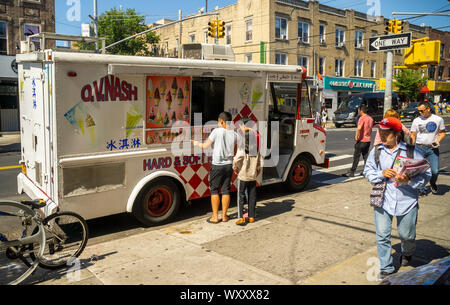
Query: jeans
[(406, 228), (361, 148), (432, 155), (247, 189)]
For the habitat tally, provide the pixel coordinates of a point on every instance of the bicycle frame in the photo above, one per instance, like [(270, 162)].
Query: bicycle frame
[(28, 214)]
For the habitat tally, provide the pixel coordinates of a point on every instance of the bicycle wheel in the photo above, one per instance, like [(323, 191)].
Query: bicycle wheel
[(66, 235), (16, 245)]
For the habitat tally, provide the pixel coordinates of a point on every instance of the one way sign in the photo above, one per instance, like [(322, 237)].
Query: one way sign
[(390, 42)]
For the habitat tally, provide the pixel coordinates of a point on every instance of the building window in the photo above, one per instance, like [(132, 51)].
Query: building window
[(166, 47), (280, 58), (322, 33), (384, 70), (340, 37), (339, 67), (440, 72), (431, 72), (32, 29), (192, 38), (303, 61), (374, 33), (205, 33), (358, 67), (373, 65), (248, 30), (280, 28), (359, 39), (3, 38), (228, 34), (322, 65), (248, 58), (303, 32), (442, 50), (177, 42)]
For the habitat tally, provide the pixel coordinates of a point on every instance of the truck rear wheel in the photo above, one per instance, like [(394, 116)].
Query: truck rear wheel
[(299, 175), (158, 202)]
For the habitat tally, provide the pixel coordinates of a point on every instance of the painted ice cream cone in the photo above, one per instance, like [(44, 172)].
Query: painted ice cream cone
[(174, 118), (166, 120), (90, 125), (157, 97), (186, 114), (174, 87), (162, 87), (180, 97), (169, 100), (186, 88), (81, 124), (159, 118), (150, 89)]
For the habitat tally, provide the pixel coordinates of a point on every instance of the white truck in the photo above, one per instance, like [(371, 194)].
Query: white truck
[(98, 130)]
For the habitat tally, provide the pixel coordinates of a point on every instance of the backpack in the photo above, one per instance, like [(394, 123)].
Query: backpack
[(409, 153)]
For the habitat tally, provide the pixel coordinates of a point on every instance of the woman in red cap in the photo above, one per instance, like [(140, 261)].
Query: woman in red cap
[(401, 201)]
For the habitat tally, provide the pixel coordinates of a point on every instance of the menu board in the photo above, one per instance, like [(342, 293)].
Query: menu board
[(168, 102)]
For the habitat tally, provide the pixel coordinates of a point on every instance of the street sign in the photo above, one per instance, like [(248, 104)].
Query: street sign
[(390, 42)]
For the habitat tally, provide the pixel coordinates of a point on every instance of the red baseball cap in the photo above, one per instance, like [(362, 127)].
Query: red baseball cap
[(391, 124)]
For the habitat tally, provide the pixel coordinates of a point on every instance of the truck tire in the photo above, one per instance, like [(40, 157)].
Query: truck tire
[(338, 125), (299, 175), (158, 202)]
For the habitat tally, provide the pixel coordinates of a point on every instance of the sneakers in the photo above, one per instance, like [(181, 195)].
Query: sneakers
[(434, 188), (383, 275), (405, 260), (350, 174)]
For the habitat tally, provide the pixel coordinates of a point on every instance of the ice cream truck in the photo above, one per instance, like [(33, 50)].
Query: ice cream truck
[(98, 131)]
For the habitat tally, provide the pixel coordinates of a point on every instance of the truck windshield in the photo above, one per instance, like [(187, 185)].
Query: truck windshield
[(350, 103)]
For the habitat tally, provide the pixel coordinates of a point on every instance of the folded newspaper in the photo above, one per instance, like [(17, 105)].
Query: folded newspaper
[(410, 167)]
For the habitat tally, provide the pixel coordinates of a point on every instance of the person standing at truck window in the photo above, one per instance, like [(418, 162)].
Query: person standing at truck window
[(247, 165), (362, 138), (224, 139), (428, 131)]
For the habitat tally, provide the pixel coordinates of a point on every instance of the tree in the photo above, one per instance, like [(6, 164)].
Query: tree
[(115, 25), (410, 82)]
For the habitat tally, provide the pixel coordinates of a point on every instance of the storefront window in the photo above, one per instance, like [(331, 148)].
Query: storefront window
[(3, 38)]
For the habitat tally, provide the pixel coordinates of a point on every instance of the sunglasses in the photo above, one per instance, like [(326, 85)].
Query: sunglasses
[(422, 111)]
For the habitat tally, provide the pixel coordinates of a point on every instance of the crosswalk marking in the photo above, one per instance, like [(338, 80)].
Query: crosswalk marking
[(338, 158), (335, 168)]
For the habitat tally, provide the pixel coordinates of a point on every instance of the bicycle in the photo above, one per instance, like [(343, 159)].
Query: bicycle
[(54, 242)]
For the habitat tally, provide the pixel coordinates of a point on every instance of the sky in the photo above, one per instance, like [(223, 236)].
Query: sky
[(70, 14)]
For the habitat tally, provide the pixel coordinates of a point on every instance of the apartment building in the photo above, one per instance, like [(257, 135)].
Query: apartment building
[(327, 41), (18, 19)]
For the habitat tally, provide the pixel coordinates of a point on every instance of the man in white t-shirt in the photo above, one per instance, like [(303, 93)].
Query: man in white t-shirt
[(225, 141), (427, 133)]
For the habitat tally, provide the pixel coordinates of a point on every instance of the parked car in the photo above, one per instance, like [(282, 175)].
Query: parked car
[(410, 112), (347, 113)]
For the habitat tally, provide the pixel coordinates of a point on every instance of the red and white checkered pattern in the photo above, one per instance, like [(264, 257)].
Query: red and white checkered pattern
[(196, 178)]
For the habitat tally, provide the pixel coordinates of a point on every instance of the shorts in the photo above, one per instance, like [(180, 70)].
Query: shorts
[(220, 176)]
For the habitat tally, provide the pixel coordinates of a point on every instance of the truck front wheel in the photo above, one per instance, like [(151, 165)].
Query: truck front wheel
[(157, 203), (299, 175)]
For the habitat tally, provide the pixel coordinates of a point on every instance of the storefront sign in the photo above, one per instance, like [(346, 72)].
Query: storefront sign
[(347, 84)]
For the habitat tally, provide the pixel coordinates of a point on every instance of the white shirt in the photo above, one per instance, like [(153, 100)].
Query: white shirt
[(428, 129)]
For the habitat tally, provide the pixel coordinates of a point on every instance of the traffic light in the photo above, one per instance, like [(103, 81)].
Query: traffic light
[(389, 26), (220, 29), (212, 28), (398, 27)]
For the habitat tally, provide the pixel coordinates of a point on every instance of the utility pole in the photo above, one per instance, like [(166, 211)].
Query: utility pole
[(206, 6), (181, 32), (95, 20)]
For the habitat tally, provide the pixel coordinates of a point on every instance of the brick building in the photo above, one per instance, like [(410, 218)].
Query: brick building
[(18, 18), (324, 39)]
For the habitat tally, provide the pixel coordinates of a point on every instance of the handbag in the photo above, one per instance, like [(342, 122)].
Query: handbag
[(379, 189)]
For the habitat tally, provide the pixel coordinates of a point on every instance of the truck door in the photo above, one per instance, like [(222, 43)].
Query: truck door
[(33, 124)]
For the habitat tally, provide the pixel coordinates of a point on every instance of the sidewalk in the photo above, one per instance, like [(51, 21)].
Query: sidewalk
[(321, 236), (9, 142)]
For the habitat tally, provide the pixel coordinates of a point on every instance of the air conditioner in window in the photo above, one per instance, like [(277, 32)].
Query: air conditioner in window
[(283, 37), (322, 40), (341, 44), (360, 46)]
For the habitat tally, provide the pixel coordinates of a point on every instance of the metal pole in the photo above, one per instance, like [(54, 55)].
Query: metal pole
[(96, 24), (389, 76), (181, 31)]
